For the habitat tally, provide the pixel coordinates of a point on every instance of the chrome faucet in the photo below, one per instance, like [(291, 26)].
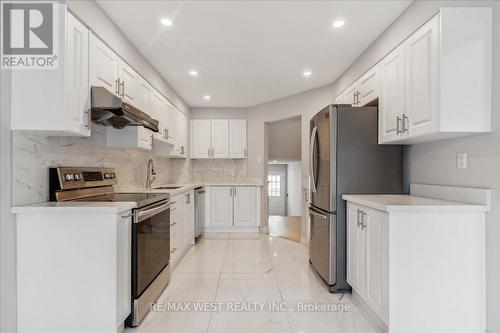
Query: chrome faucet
[(151, 173)]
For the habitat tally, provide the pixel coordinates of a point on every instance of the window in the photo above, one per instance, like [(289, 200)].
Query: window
[(274, 185)]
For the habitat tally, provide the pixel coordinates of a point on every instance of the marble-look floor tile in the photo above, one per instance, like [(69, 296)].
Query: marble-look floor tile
[(249, 322), (248, 270), (248, 290)]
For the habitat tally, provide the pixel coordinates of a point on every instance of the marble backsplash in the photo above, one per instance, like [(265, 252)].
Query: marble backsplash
[(214, 171), (33, 154)]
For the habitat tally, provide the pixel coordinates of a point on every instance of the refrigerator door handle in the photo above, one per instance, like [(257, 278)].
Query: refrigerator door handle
[(311, 159), (312, 212)]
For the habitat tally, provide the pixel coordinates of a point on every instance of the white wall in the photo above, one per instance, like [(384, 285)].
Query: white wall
[(294, 189), (285, 140), (305, 104)]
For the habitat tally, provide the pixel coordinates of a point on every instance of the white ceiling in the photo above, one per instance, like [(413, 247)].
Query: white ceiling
[(250, 52)]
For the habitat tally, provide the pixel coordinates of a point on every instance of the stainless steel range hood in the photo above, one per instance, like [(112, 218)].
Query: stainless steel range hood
[(109, 110)]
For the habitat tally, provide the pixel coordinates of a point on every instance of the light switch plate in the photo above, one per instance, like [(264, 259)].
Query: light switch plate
[(461, 161)]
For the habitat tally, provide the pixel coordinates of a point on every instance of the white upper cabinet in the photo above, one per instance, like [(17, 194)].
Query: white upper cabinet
[(160, 112), (129, 84), (103, 66), (446, 89), (368, 86), (237, 138), (391, 99), (179, 133), (200, 138), (218, 138), (421, 80), (339, 99), (56, 101), (349, 95)]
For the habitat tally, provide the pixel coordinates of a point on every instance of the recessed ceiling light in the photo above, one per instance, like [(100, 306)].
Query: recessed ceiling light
[(166, 22), (338, 23), (193, 72), (307, 73), (207, 97)]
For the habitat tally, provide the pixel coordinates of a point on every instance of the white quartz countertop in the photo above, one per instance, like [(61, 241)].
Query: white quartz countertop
[(181, 187), (51, 207), (410, 203), (77, 207)]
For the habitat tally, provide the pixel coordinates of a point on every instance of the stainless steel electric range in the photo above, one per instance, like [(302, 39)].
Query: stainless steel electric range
[(150, 228)]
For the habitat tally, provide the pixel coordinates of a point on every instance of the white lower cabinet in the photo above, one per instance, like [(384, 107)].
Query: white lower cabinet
[(412, 268), (367, 256), (244, 206), (233, 208), (181, 225), (75, 264)]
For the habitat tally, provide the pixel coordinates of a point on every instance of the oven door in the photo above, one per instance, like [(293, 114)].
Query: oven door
[(150, 245)]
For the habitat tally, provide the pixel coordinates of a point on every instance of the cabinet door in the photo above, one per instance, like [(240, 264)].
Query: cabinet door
[(237, 138), (349, 95), (369, 86), (77, 77), (161, 114), (221, 204), (103, 66), (179, 132), (244, 207), (392, 99), (355, 249), (124, 272), (129, 83), (421, 80), (376, 261), (220, 138), (200, 138), (145, 101), (339, 99)]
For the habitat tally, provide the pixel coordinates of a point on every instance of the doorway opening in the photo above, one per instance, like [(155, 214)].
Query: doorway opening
[(284, 178)]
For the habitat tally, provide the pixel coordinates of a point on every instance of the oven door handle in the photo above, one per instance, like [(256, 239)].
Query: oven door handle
[(144, 214)]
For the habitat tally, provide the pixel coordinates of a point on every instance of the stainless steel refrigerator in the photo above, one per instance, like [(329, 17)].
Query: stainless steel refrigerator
[(345, 158)]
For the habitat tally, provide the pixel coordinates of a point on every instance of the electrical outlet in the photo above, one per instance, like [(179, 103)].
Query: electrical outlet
[(461, 161)]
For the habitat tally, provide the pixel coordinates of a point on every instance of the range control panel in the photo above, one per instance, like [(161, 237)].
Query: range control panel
[(66, 178)]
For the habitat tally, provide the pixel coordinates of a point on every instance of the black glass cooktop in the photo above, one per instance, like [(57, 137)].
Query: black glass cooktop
[(142, 199)]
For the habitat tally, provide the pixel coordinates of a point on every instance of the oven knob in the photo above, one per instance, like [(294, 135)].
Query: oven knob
[(68, 177), (107, 176), (113, 176), (77, 177)]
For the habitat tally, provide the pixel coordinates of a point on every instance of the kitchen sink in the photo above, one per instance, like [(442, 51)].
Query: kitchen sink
[(167, 187)]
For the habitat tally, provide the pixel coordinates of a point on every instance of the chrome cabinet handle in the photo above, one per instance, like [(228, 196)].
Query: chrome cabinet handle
[(173, 223), (398, 122), (87, 119), (245, 152), (122, 85), (127, 216), (173, 250), (188, 198), (405, 120), (359, 221), (117, 86), (363, 224), (353, 98), (234, 191)]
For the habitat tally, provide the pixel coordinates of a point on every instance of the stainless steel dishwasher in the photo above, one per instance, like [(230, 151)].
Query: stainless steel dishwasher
[(199, 201)]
